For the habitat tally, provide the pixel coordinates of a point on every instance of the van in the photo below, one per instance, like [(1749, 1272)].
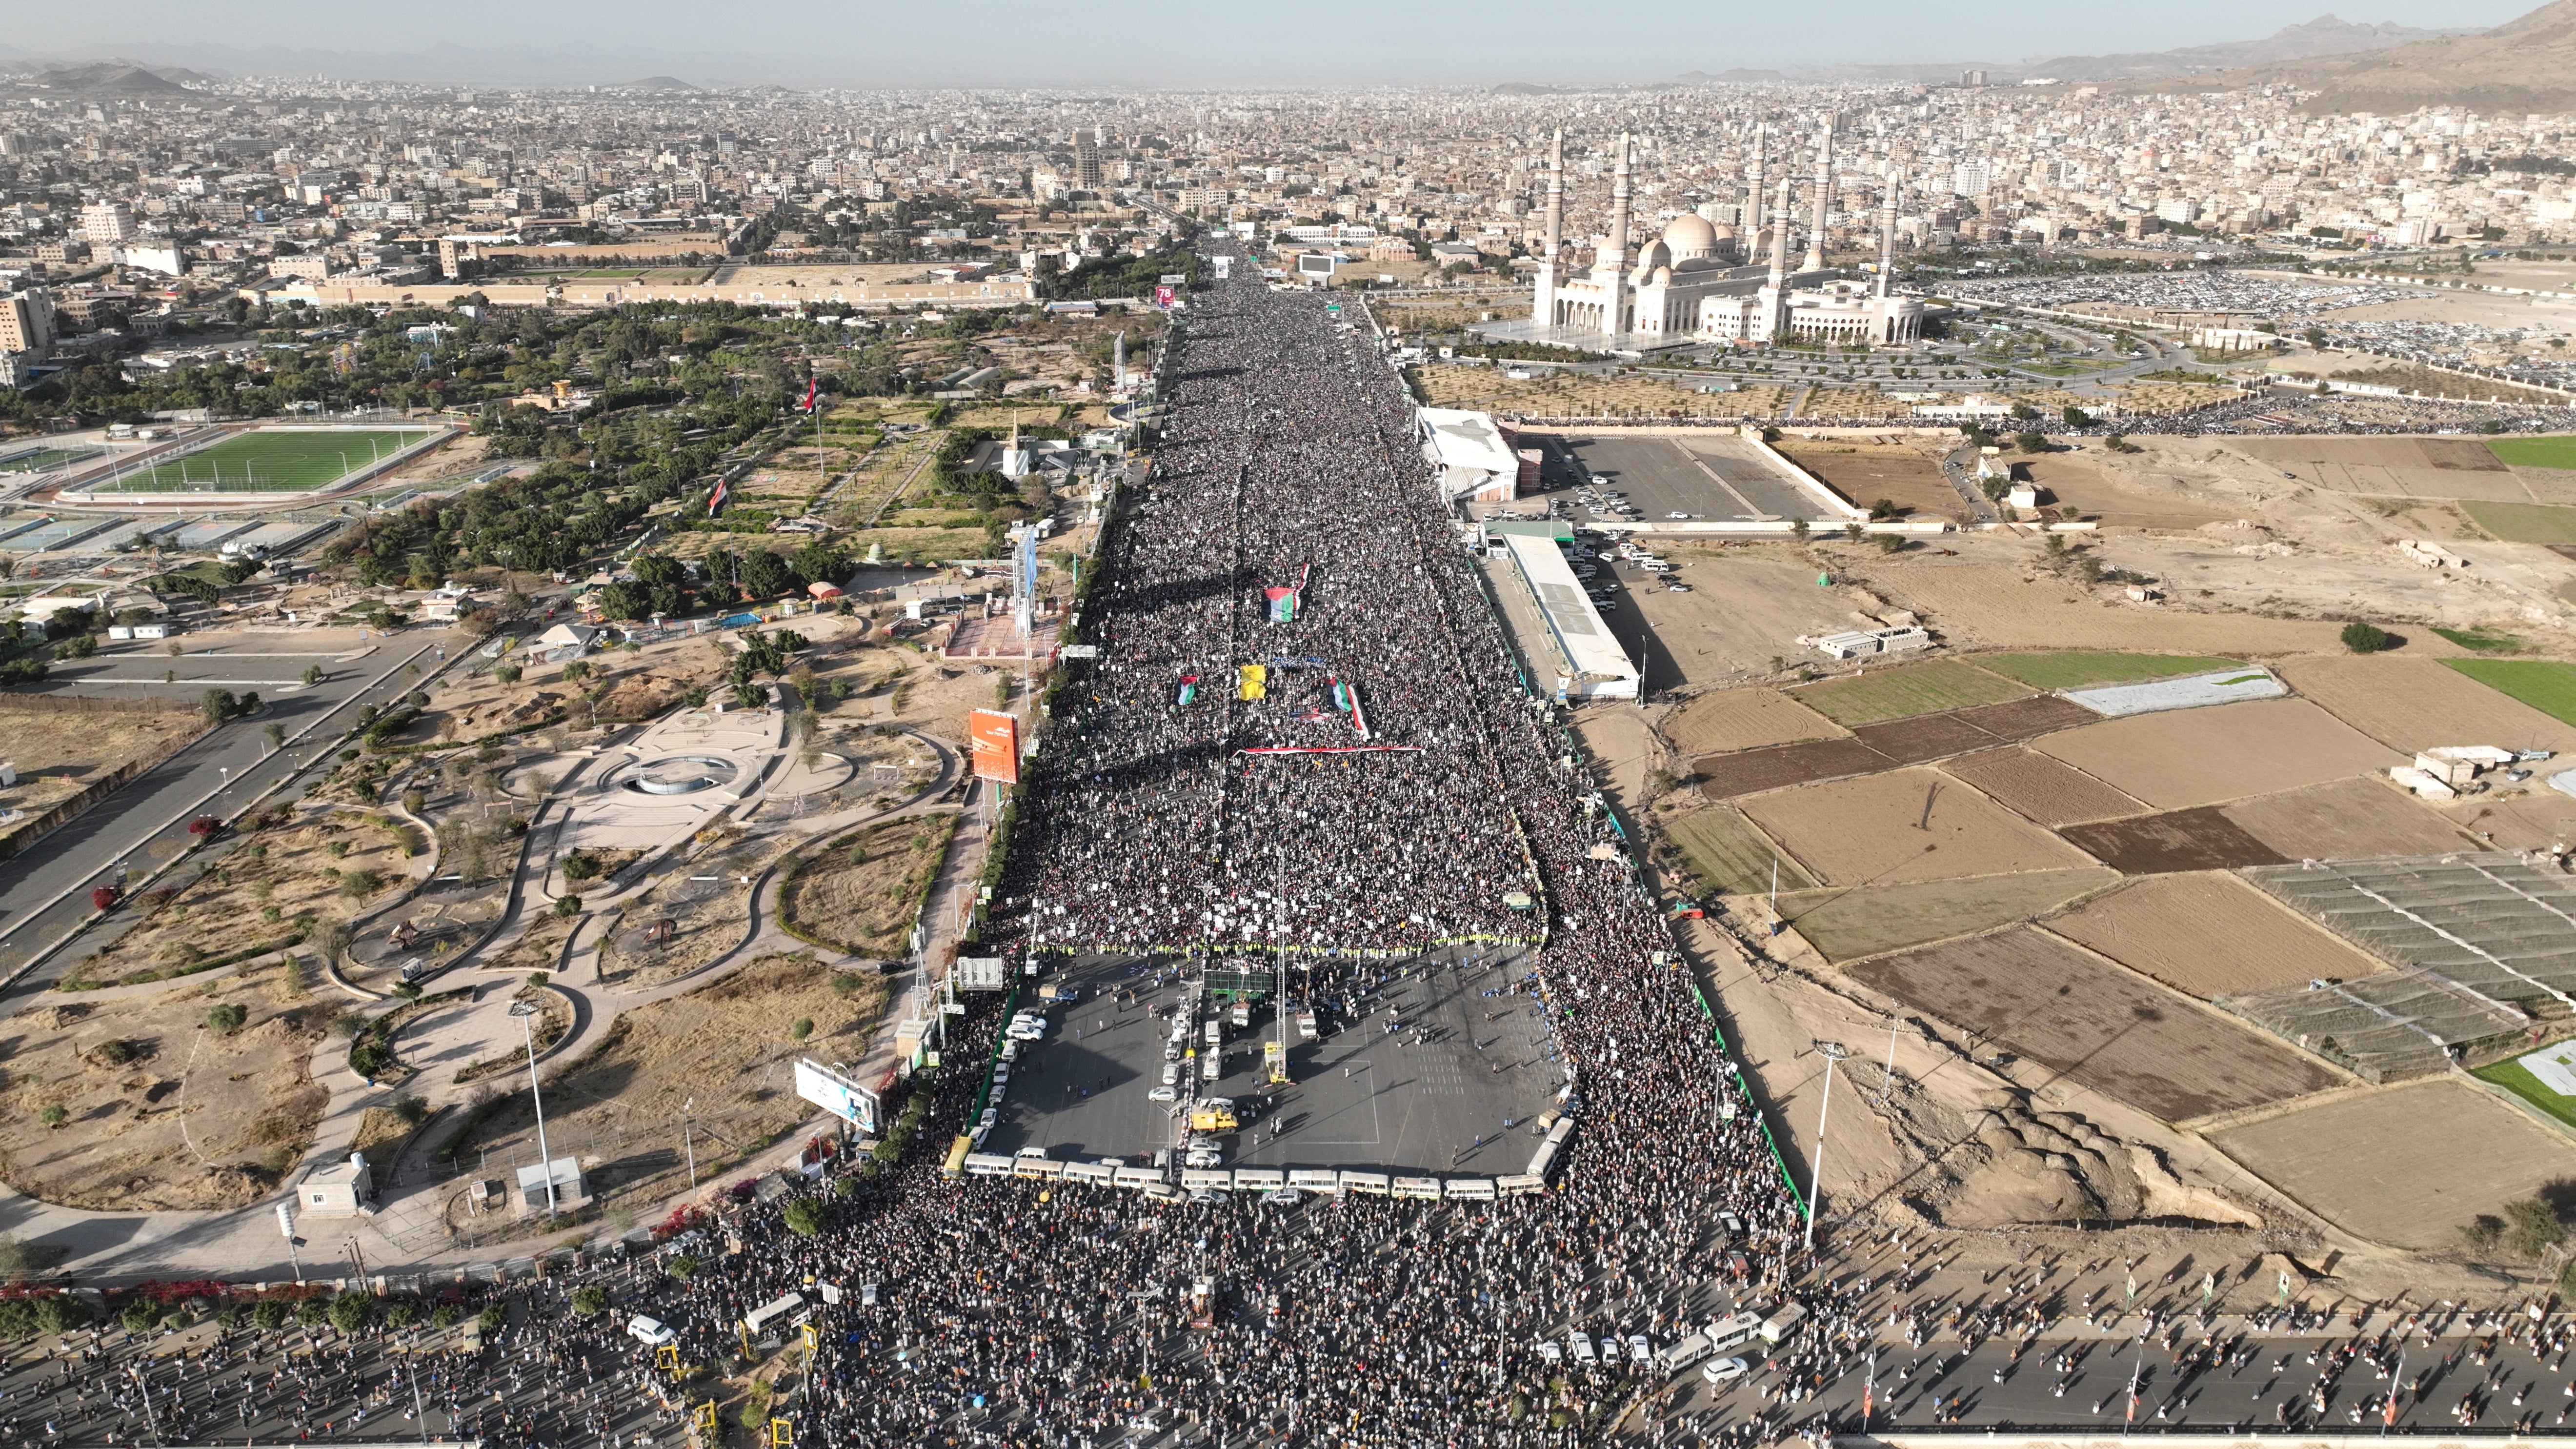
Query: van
[(1783, 1323), (1215, 1066), (1733, 1330), (1215, 1033), (1677, 1357), (651, 1330)]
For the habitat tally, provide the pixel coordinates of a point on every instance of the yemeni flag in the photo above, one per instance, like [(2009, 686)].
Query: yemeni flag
[(810, 381), (1283, 605), (716, 499)]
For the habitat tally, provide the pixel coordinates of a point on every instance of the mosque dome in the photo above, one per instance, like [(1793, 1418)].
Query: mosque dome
[(1690, 236)]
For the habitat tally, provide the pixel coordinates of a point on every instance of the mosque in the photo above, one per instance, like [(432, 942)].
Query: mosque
[(1683, 288)]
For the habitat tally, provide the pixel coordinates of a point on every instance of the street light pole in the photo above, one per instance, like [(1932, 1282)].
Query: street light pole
[(1832, 1052), (523, 1010)]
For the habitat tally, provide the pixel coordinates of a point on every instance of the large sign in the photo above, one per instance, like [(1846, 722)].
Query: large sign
[(981, 973), (995, 739), (838, 1095)]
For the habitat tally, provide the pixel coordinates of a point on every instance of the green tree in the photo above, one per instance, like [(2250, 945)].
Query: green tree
[(802, 1028), (2363, 638), (140, 1315), (567, 906), (313, 675), (492, 1319), (271, 1313), (683, 1267), (590, 1302), (228, 1017), (2531, 1228), (805, 1216)]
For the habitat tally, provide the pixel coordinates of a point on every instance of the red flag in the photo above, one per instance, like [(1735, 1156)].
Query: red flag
[(809, 393), (716, 499)]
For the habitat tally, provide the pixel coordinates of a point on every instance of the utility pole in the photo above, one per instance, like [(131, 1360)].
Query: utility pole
[(523, 1010), (1832, 1052), (688, 1143)]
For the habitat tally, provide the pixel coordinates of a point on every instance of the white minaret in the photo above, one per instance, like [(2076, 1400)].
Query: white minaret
[(1815, 261), (1543, 301), (1610, 269), (1749, 227), (1775, 293), (1887, 236)]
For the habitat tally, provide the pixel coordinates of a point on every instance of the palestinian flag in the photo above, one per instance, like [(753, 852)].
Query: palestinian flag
[(1283, 605), (1189, 689)]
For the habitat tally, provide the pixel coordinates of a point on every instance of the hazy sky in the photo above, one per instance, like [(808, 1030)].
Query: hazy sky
[(1169, 43)]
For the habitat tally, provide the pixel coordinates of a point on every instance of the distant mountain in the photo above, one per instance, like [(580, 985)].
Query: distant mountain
[(659, 83), (1523, 88), (113, 77), (2523, 66), (2323, 36)]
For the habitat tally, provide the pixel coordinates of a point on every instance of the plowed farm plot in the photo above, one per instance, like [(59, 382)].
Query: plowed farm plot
[(2211, 935), (2118, 502), (1744, 719), (1905, 825), (1730, 856), (2407, 1165), (2346, 819), (2196, 839), (1725, 776), (1925, 737), (1851, 922), (2047, 790), (2409, 467), (1906, 691), (2023, 719), (2096, 1024), (2415, 704), (1864, 473), (2228, 752)]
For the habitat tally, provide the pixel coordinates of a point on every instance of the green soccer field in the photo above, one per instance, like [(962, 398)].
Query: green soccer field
[(265, 461)]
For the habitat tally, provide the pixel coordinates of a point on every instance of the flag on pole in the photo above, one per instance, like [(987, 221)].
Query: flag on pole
[(1189, 689), (810, 383), (2133, 1393), (716, 499)]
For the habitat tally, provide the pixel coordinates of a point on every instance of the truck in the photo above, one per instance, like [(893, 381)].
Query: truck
[(1212, 1119)]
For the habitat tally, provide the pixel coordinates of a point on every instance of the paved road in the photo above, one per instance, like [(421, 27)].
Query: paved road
[(44, 891)]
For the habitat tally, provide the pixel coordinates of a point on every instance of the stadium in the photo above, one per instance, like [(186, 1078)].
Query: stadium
[(266, 463)]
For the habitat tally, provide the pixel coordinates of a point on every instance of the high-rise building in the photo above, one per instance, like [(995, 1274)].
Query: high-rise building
[(106, 223), (27, 322), (1968, 178), (1086, 160)]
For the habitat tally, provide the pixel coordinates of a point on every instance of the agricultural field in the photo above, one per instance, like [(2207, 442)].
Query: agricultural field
[(2415, 704), (1848, 923), (2545, 685), (2514, 1077), (2458, 468), (2343, 819), (269, 460), (159, 1109), (2189, 757), (61, 752), (1743, 719), (2525, 522), (1904, 825), (1729, 856), (2557, 452), (2096, 1024), (1906, 690), (1723, 777), (2079, 668), (1924, 737), (2407, 1165), (2047, 790), (2199, 838), (2211, 935)]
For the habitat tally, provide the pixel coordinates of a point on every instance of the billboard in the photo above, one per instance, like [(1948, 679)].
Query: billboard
[(995, 739), (1163, 296), (1317, 264), (981, 973), (838, 1095)]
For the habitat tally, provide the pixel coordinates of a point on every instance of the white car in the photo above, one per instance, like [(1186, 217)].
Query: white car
[(1639, 1349), (1548, 1350), (1581, 1343), (652, 1330), (1204, 1159), (1030, 1152), (1283, 1197), (1677, 515), (1723, 1370), (1001, 1073), (1165, 1093)]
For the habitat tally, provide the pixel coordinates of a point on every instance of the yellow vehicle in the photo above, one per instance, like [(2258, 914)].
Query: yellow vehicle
[(1212, 1119)]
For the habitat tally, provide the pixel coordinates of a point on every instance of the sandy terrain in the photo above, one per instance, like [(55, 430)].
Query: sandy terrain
[(2097, 1024), (1864, 831), (1746, 609), (188, 1118), (2072, 481), (858, 891), (1849, 922), (2343, 819), (2227, 752), (2047, 790), (1864, 473), (2415, 704), (2405, 467), (1743, 719), (2211, 935), (2532, 820), (2001, 603), (2200, 838), (60, 752), (2405, 1165), (253, 897)]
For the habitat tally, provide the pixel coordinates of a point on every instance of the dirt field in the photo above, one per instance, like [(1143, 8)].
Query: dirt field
[(710, 918), (729, 1048), (59, 753), (2075, 484), (162, 1111), (2533, 820), (1864, 831), (2406, 467), (2415, 704), (2211, 935), (2226, 752), (1864, 473), (1746, 608), (2023, 719), (2096, 1024), (2405, 1165), (1725, 776), (1905, 691), (252, 898), (1562, 395), (1743, 719), (2003, 604), (2047, 790), (2200, 838), (2344, 819), (1843, 924), (1925, 737), (858, 892), (1729, 856)]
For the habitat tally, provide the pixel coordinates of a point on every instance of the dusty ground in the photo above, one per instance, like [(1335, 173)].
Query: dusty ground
[(191, 1117), (2414, 704), (253, 897), (1742, 719), (858, 891), (2405, 1165), (710, 917), (1747, 606), (1864, 473), (2354, 817), (2047, 790), (724, 1053), (1560, 395), (59, 753), (1849, 922), (2211, 935), (1904, 825), (2205, 756)]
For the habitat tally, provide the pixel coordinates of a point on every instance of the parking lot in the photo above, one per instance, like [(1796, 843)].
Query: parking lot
[(1708, 478), (1453, 1087)]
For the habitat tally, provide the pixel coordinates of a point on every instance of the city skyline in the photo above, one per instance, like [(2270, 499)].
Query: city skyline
[(1161, 45)]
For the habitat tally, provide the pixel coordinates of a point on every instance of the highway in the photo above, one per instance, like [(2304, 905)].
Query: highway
[(45, 890)]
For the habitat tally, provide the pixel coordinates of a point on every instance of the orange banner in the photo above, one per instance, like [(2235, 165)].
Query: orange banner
[(995, 737)]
